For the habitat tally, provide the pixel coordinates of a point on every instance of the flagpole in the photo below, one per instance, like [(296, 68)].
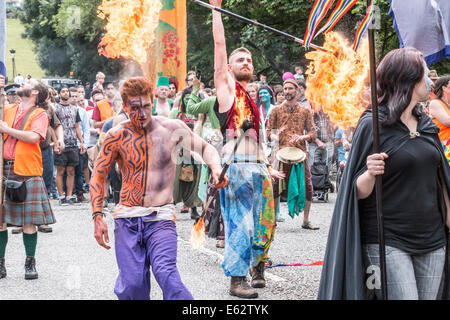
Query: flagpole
[(376, 149), (257, 24)]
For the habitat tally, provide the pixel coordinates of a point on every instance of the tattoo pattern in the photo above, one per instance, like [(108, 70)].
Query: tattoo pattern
[(130, 149)]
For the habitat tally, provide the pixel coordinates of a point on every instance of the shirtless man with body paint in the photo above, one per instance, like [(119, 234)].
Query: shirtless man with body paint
[(145, 233)]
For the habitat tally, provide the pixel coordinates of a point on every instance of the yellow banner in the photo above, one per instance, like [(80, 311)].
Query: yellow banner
[(172, 44)]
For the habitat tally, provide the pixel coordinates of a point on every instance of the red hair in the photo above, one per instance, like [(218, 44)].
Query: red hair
[(136, 87)]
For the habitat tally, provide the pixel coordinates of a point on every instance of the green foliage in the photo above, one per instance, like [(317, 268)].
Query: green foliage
[(66, 34)]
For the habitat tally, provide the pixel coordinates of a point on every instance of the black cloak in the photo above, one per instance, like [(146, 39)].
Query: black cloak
[(343, 276)]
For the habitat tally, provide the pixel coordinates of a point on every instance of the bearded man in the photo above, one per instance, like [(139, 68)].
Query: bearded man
[(24, 126), (247, 202)]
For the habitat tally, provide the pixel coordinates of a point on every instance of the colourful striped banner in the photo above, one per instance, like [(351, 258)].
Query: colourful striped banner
[(318, 12), (317, 263), (339, 11), (363, 27)]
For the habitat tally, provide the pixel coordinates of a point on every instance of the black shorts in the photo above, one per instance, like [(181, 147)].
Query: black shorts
[(68, 158)]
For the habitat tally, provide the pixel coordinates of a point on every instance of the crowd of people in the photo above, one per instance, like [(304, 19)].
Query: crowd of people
[(116, 139)]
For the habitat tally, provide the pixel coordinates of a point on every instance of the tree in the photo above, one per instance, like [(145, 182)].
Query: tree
[(66, 34), (274, 53)]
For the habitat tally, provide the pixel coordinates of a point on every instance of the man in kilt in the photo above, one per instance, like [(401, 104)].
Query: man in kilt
[(23, 127)]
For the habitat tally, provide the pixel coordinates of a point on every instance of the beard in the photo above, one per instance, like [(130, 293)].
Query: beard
[(245, 76), (24, 93), (289, 97)]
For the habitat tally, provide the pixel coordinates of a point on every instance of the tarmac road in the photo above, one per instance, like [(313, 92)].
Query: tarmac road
[(72, 266)]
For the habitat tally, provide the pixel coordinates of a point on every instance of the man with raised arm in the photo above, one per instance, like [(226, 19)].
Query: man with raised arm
[(145, 233), (247, 202)]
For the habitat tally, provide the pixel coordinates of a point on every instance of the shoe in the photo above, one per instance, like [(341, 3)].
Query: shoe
[(63, 201), (45, 229), (309, 225), (2, 268), (194, 214), (257, 274), (240, 288), (220, 244), (81, 198), (185, 210), (105, 203), (86, 188), (54, 196), (72, 201), (30, 268), (17, 230)]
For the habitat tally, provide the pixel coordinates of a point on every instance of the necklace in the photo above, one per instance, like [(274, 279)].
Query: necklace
[(412, 134)]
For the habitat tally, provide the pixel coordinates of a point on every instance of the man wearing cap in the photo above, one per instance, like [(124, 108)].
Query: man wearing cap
[(292, 125), (161, 104), (104, 109), (11, 93)]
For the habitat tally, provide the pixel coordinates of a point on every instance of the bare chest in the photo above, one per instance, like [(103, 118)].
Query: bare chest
[(146, 152)]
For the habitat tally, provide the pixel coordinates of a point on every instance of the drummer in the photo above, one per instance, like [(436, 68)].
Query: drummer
[(291, 125)]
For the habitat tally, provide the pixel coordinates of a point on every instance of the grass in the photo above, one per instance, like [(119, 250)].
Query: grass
[(25, 57)]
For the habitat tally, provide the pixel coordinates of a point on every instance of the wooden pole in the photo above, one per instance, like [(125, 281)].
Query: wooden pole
[(376, 149)]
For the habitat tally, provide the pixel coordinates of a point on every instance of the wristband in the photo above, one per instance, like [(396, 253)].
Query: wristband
[(97, 213)]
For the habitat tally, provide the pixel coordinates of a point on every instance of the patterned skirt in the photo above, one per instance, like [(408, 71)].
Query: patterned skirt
[(248, 213), (35, 209)]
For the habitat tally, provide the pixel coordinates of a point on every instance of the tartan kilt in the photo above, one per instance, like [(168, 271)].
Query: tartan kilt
[(36, 208)]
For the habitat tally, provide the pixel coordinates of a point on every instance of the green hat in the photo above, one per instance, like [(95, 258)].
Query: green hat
[(163, 81)]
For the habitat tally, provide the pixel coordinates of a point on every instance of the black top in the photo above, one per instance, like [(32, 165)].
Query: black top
[(222, 116), (412, 220)]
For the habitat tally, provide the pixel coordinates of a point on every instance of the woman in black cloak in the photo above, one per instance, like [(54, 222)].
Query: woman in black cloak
[(415, 197)]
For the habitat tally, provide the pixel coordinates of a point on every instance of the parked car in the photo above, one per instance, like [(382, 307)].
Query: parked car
[(57, 83)]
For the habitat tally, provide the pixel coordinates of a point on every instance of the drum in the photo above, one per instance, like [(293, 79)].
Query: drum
[(291, 155)]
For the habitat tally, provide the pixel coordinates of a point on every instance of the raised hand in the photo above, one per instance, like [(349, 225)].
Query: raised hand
[(216, 3)]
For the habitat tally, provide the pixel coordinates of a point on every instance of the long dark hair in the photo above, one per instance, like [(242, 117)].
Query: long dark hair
[(397, 75), (441, 82), (41, 99)]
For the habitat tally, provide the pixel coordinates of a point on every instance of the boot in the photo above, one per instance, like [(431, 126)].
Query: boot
[(30, 268), (257, 274), (240, 288), (2, 268)]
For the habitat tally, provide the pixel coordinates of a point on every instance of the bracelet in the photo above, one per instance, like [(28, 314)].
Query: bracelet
[(97, 213)]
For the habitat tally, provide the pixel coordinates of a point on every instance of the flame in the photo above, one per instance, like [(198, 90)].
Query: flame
[(242, 111), (131, 28), (198, 235), (337, 81)]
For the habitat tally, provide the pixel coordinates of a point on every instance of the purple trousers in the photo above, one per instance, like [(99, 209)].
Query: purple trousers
[(139, 245)]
